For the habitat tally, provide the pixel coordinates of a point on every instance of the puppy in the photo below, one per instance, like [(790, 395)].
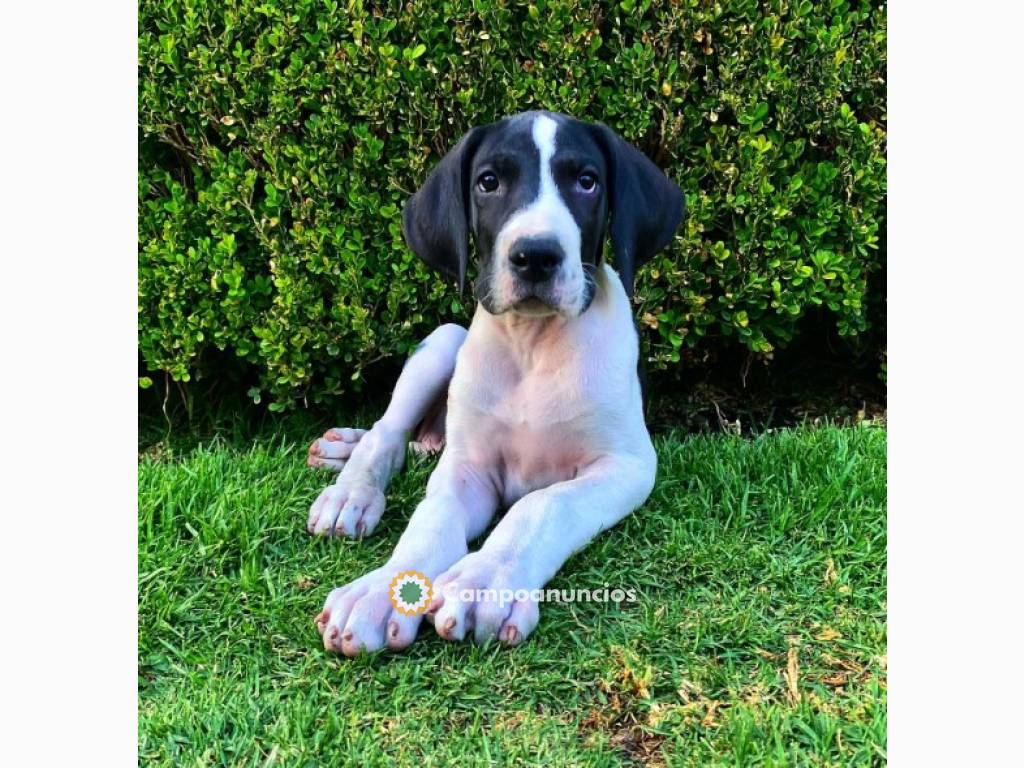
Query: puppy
[(538, 405)]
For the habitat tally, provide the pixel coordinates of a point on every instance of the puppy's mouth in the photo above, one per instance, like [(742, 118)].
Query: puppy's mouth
[(534, 306)]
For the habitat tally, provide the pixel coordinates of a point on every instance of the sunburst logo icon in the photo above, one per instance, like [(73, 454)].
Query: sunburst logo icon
[(410, 593)]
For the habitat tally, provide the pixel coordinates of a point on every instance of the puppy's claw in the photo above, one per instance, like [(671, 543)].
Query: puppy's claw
[(510, 635), (329, 639), (392, 629)]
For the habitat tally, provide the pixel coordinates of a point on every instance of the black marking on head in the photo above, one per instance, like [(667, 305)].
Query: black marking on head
[(646, 206), (509, 154)]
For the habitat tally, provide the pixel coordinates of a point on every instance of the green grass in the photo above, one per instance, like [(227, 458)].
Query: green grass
[(761, 571)]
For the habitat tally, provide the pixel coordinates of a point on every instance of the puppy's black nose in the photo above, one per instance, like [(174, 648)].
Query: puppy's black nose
[(535, 261)]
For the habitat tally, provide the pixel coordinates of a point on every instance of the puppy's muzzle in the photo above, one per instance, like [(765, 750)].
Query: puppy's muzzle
[(535, 259)]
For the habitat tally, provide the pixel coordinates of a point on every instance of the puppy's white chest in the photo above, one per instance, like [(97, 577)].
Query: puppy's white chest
[(533, 403), (531, 427), (527, 450), (540, 400)]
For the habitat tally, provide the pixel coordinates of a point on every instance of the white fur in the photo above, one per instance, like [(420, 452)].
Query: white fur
[(546, 215), (544, 417)]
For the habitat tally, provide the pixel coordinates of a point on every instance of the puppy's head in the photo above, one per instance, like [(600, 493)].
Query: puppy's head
[(536, 191)]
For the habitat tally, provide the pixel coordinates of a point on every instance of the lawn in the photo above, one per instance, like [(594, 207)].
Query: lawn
[(758, 636)]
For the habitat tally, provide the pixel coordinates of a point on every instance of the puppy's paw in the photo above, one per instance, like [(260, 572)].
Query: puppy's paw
[(360, 618), (354, 504), (488, 596), (427, 444), (347, 508), (331, 451)]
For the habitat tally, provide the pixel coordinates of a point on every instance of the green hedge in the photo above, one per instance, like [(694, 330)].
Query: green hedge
[(279, 140)]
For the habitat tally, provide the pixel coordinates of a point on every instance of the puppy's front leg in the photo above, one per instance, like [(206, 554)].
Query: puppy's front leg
[(353, 505), (458, 506), (537, 535)]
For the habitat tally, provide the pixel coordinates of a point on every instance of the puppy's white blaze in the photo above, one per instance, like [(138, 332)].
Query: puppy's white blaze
[(546, 215)]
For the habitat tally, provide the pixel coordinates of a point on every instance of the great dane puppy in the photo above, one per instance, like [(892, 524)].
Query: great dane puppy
[(538, 406)]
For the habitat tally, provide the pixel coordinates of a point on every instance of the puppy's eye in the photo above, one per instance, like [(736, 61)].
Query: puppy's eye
[(587, 181), (487, 182)]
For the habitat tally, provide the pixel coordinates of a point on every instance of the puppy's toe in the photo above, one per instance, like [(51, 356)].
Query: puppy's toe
[(454, 618), (364, 632), (331, 621), (401, 630), (489, 616), (332, 451), (361, 512), (520, 623), (344, 435), (325, 510), (314, 511), (427, 445)]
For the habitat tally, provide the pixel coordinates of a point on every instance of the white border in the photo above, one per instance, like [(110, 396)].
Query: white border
[(68, 382), (955, 457)]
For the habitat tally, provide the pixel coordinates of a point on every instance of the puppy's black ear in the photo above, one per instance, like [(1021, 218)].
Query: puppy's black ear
[(436, 218), (646, 207)]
